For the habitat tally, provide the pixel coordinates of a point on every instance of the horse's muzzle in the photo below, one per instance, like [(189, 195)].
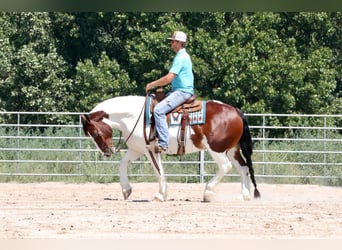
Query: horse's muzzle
[(109, 151)]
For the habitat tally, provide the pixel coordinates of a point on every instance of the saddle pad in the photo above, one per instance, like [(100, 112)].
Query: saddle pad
[(197, 117)]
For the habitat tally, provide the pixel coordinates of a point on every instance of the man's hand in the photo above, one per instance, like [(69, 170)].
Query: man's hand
[(148, 87), (161, 81)]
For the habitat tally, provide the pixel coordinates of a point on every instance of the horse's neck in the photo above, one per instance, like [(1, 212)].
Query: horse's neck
[(123, 112)]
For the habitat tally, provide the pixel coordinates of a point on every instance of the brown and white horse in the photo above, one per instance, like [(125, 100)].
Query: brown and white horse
[(224, 134)]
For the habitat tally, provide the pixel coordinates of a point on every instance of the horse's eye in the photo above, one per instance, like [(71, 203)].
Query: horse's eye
[(94, 133)]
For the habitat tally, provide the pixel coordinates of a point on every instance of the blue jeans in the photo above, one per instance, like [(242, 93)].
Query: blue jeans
[(171, 101)]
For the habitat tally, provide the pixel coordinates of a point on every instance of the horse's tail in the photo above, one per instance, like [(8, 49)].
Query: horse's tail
[(246, 146)]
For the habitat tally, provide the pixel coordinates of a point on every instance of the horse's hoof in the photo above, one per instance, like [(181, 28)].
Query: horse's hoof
[(126, 193), (208, 196), (159, 198), (243, 197)]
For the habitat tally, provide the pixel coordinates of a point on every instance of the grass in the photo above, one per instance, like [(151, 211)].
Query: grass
[(45, 155)]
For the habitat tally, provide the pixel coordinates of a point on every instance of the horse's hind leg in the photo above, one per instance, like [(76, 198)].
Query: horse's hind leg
[(240, 164), (131, 155), (224, 166)]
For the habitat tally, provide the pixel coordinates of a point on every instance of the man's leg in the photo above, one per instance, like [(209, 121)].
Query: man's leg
[(173, 100)]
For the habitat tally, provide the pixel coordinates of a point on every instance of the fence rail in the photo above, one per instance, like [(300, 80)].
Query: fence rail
[(299, 151)]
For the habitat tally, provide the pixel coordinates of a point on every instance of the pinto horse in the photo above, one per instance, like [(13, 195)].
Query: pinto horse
[(224, 133)]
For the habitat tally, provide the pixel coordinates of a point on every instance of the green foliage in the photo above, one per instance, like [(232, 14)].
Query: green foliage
[(101, 81), (259, 62), (34, 73)]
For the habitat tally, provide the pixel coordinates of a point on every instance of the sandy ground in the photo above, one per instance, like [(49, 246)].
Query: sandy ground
[(98, 211)]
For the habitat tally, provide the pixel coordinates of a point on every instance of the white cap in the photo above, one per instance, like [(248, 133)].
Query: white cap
[(178, 36)]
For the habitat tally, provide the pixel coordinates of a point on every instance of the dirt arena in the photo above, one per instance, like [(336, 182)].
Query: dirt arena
[(98, 211)]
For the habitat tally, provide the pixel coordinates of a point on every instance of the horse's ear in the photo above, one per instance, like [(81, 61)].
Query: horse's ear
[(85, 123), (85, 119), (98, 116)]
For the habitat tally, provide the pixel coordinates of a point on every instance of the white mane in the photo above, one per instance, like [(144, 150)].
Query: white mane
[(120, 104)]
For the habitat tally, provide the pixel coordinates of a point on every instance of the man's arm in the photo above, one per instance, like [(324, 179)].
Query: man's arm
[(165, 80)]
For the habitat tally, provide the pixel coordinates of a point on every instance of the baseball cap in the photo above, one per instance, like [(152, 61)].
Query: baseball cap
[(178, 36)]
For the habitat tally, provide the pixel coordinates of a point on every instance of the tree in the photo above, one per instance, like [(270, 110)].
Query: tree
[(6, 53), (259, 62), (250, 63), (37, 81), (95, 82)]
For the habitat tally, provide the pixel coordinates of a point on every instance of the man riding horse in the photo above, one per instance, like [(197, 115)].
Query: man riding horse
[(182, 80), (224, 132)]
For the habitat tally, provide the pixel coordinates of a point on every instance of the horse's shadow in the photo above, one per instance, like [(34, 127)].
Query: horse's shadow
[(140, 201), (134, 201), (147, 201)]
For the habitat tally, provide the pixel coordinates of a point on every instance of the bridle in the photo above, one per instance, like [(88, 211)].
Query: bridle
[(117, 148), (98, 134)]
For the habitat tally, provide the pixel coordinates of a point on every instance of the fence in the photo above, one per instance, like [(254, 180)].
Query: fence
[(298, 151)]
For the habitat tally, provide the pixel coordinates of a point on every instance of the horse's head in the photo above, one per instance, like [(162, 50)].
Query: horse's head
[(101, 132)]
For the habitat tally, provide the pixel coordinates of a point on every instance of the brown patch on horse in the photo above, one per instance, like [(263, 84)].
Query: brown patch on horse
[(197, 137), (237, 156), (88, 120), (101, 132), (223, 127), (98, 116), (85, 123)]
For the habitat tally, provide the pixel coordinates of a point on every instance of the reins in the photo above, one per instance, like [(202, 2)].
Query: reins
[(130, 134), (117, 148), (155, 163), (153, 159)]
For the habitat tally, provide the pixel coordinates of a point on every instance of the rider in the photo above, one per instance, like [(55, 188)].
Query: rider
[(182, 80)]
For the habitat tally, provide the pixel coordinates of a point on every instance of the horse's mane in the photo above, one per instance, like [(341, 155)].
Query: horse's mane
[(119, 103)]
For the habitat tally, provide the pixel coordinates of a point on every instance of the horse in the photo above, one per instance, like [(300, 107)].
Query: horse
[(224, 134)]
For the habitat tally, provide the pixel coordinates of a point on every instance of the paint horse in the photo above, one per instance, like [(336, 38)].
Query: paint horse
[(225, 135)]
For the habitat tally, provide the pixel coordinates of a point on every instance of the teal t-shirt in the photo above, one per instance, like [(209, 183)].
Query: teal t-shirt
[(182, 67)]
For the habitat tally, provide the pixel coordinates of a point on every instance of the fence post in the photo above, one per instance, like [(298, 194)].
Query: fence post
[(80, 146), (201, 166), (18, 144), (325, 143), (263, 143)]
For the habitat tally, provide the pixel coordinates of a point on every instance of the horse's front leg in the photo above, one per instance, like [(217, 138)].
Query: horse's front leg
[(156, 163), (131, 155)]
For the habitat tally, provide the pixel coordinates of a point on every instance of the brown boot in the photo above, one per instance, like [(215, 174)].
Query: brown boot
[(156, 148)]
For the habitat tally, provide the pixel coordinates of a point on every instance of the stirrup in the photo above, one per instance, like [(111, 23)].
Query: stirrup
[(156, 148)]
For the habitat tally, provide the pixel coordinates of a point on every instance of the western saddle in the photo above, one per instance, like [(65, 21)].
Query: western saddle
[(190, 105)]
